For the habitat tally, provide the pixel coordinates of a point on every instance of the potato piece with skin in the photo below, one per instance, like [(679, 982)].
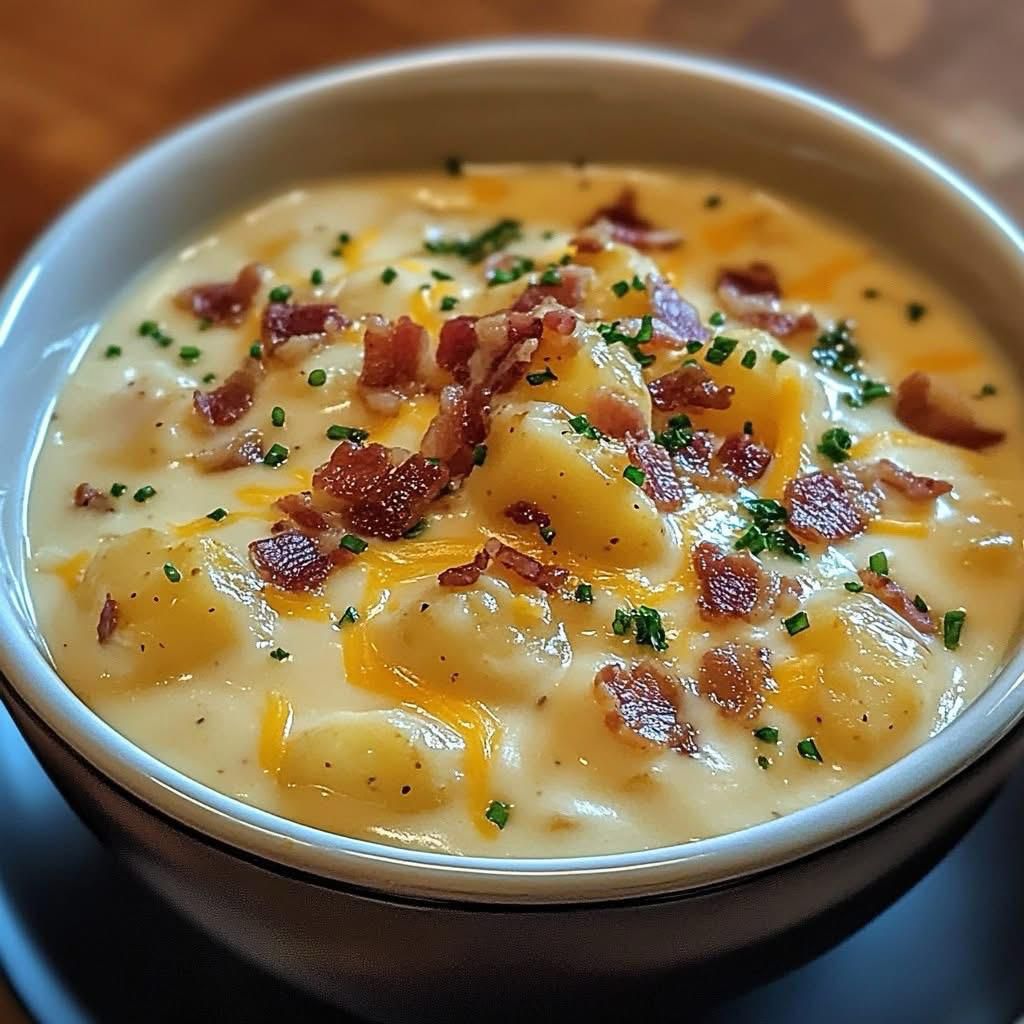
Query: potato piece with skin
[(165, 629), (855, 684), (483, 642), (394, 759), (534, 455)]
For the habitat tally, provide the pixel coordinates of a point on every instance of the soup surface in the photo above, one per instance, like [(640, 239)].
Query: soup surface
[(530, 511)]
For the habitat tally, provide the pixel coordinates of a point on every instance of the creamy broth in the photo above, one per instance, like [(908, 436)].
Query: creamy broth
[(466, 718)]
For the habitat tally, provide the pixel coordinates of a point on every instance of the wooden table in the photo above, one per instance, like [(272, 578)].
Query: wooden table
[(84, 84)]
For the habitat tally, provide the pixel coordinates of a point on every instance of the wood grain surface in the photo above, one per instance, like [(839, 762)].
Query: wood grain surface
[(82, 84)]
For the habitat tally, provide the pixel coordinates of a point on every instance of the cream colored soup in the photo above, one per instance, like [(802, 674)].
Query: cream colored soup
[(466, 718)]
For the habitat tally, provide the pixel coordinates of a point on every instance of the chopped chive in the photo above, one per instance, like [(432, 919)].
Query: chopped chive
[(479, 454), (344, 238), (453, 165), (317, 378), (620, 288), (584, 593), (767, 734), (879, 563), (349, 615), (498, 236), (350, 542), (565, 260), (920, 604), (987, 390), (952, 625), (209, 378), (149, 328), (721, 348), (280, 293), (581, 425), (112, 351), (276, 456), (547, 534), (448, 302), (355, 434), (217, 514), (504, 275), (784, 542), (551, 276), (388, 274), (497, 813), (854, 586), (646, 331), (835, 444), (694, 346), (753, 539), (144, 493), (172, 573), (316, 278), (647, 623), (915, 310), (540, 377), (116, 490), (621, 622), (415, 530), (717, 318), (796, 623), (256, 350), (635, 475), (440, 275), (778, 356), (748, 427), (749, 360), (205, 323), (763, 762), (809, 749), (280, 654), (637, 285), (277, 416), (189, 353)]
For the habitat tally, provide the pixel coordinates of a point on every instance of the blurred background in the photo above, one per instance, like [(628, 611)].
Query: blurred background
[(84, 84)]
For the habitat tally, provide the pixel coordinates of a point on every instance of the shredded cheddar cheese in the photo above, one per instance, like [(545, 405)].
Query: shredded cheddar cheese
[(274, 729)]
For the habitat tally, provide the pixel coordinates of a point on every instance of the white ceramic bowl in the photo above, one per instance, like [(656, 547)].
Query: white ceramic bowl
[(380, 928)]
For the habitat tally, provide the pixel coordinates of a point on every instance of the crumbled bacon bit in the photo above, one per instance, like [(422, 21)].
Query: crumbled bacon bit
[(223, 302), (548, 577), (781, 324), (573, 283), (394, 356), (225, 404), (87, 496), (559, 320), (752, 294), (910, 485), (735, 677), (893, 596), (299, 508), (743, 457), (380, 497), (935, 412), (660, 484), (242, 450), (689, 386), (643, 705), (695, 457), (615, 415), (456, 345), (461, 423), (109, 615), (674, 319), (622, 222), (490, 352), (283, 321), (757, 278), (294, 561), (824, 507), (526, 513), (734, 585)]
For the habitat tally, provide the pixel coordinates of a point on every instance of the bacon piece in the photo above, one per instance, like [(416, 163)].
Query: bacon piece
[(675, 320), (461, 423), (572, 286), (379, 496), (456, 345), (548, 577), (695, 457), (615, 415), (491, 352), (225, 302), (393, 354), (312, 321), (734, 677), (622, 222), (910, 485), (752, 295), (689, 386), (307, 517), (825, 507), (743, 457), (734, 585), (526, 513), (934, 412), (242, 450), (757, 278), (293, 560), (893, 596), (87, 496), (109, 615), (660, 484), (781, 324), (643, 706), (225, 404), (559, 320)]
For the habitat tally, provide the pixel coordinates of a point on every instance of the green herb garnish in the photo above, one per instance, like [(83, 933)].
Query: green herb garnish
[(778, 356), (611, 334), (835, 444), (388, 274), (767, 734), (796, 623), (189, 353), (717, 318), (276, 456), (477, 247), (317, 378), (349, 615), (809, 749), (584, 593), (256, 350), (217, 514), (415, 530), (635, 475), (749, 360), (540, 377), (915, 310), (497, 813), (350, 542), (280, 293), (479, 454), (172, 573), (582, 426), (144, 493), (112, 351), (952, 625), (647, 625), (620, 288), (448, 303), (116, 490), (720, 350), (354, 434), (280, 654), (316, 278), (854, 586), (879, 563)]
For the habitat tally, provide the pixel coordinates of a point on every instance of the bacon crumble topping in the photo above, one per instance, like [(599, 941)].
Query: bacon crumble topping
[(735, 678), (733, 585), (826, 507), (548, 577), (313, 322), (621, 221), (689, 386), (109, 615), (228, 403), (938, 413), (567, 292), (462, 422), (526, 513), (395, 362), (244, 449), (294, 561), (911, 485), (224, 303), (743, 457), (615, 415), (752, 295), (660, 484), (893, 596), (87, 496)]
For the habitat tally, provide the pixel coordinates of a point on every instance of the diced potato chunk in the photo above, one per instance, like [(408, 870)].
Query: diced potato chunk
[(533, 455), (393, 759), (857, 684), (483, 642)]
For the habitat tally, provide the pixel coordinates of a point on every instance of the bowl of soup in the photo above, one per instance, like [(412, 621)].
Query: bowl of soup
[(456, 551)]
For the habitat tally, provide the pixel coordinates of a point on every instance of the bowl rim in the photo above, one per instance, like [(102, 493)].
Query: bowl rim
[(684, 867)]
